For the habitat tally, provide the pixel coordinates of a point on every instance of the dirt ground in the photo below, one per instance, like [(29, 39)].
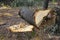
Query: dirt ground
[(7, 17)]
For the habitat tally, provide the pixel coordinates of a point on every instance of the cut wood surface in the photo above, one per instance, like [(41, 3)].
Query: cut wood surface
[(20, 25), (16, 28), (39, 16), (33, 17)]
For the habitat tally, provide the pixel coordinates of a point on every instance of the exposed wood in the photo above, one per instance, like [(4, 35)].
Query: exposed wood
[(15, 28), (34, 17), (50, 21), (20, 26), (39, 16)]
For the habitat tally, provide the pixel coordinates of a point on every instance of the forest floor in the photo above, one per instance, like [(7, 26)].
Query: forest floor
[(6, 15)]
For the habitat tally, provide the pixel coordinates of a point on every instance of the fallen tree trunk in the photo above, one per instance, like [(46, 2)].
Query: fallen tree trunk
[(34, 17)]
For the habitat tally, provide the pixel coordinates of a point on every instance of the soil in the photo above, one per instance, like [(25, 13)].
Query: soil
[(10, 14)]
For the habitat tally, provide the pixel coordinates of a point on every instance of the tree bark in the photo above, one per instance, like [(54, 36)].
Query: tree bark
[(58, 2), (45, 4)]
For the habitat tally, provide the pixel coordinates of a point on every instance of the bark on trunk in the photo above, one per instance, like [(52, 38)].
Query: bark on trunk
[(45, 4), (58, 2)]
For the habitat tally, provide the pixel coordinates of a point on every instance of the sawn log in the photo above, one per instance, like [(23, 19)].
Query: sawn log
[(34, 17)]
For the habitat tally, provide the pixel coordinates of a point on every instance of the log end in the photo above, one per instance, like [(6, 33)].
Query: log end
[(39, 15), (44, 15)]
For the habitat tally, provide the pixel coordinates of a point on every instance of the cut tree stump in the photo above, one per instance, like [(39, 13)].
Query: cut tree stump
[(32, 17)]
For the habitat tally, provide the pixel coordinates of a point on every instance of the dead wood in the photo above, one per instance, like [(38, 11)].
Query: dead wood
[(34, 17)]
